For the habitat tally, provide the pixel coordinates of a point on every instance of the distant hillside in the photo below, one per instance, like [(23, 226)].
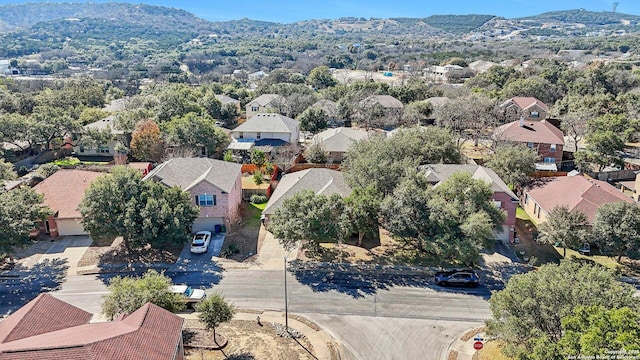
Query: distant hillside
[(23, 16), (457, 24), (589, 18)]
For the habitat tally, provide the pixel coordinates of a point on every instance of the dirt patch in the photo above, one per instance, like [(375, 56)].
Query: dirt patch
[(113, 252), (242, 243), (471, 333), (248, 340)]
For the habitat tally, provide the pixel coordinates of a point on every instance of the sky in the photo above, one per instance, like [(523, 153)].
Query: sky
[(286, 11)]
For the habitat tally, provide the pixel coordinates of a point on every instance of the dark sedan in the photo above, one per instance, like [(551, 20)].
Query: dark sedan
[(457, 277)]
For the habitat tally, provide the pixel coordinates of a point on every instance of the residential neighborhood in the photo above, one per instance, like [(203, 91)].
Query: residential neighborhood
[(448, 187)]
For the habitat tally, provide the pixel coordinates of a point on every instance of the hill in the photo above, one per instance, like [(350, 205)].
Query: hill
[(581, 16)]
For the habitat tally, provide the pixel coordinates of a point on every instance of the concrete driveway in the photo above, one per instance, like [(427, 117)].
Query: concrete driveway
[(198, 270)]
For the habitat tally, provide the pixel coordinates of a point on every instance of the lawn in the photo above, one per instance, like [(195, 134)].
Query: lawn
[(521, 214), (491, 351), (72, 161), (252, 217)]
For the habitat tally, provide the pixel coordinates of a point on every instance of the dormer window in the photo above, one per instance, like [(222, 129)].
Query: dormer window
[(535, 114), (552, 148)]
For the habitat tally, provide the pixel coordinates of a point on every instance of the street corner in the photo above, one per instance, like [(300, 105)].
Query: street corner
[(465, 346)]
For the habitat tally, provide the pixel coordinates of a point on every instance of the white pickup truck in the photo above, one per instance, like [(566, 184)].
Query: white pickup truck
[(191, 295)]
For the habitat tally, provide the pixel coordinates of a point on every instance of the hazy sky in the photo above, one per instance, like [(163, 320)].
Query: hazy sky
[(295, 10)]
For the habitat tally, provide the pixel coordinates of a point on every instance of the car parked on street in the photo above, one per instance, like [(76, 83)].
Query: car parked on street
[(462, 277), (200, 242), (191, 295)]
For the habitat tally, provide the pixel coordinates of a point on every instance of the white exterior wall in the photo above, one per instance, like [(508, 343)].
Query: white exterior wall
[(288, 137)]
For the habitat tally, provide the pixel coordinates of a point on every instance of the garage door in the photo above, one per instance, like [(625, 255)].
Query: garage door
[(504, 235), (206, 224), (67, 227)]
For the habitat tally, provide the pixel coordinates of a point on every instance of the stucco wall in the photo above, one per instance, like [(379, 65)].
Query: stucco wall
[(288, 137), (532, 209)]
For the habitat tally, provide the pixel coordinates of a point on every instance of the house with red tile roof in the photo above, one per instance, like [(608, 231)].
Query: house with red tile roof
[(577, 193), (48, 328), (531, 108), (542, 136), (63, 191)]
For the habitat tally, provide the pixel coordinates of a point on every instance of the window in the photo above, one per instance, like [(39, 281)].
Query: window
[(241, 136), (258, 135), (81, 148), (535, 114), (497, 204), (255, 108), (552, 147), (550, 160), (526, 199), (530, 145), (104, 149), (205, 200)]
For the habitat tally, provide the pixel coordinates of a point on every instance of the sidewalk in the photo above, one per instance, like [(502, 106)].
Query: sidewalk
[(319, 339), (464, 348)]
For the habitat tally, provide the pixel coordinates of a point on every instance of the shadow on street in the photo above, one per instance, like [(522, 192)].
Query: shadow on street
[(21, 285)]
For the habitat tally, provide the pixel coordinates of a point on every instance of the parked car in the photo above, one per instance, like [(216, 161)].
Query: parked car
[(191, 295), (200, 242), (463, 277)]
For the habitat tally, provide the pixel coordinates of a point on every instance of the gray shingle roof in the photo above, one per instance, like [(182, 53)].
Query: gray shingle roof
[(188, 172), (224, 99), (339, 139), (266, 99), (268, 122), (107, 123), (437, 173), (386, 101), (320, 181)]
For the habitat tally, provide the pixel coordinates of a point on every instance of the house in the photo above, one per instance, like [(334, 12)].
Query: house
[(480, 66), (5, 67), (267, 103), (391, 107), (578, 193), (502, 197), (214, 185), (531, 108), (447, 73), (330, 109), (48, 328), (63, 191), (337, 141), (106, 150), (268, 129), (255, 76), (546, 139), (319, 180), (224, 100)]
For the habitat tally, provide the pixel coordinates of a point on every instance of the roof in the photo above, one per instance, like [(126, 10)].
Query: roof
[(319, 180), (437, 173), (532, 131), (525, 102), (240, 145), (339, 139), (438, 101), (481, 65), (64, 189), (268, 122), (104, 124), (224, 99), (148, 333), (188, 172), (266, 99), (576, 193), (116, 105), (386, 101), (329, 107)]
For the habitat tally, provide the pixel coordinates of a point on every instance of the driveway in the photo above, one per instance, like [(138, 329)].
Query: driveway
[(198, 270)]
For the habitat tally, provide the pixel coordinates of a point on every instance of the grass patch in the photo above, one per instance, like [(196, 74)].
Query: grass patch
[(522, 215), (605, 261), (259, 206), (492, 350), (252, 215), (73, 161)]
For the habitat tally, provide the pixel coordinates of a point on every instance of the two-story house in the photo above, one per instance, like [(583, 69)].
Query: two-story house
[(268, 129), (273, 103), (546, 139), (105, 150), (224, 100), (215, 187), (502, 197), (529, 107)]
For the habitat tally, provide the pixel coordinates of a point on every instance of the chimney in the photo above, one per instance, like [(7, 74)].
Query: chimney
[(521, 120)]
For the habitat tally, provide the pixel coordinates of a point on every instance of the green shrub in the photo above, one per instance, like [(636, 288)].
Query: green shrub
[(258, 199), (47, 170)]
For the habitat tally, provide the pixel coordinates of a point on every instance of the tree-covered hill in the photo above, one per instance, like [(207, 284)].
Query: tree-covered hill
[(581, 16), (457, 24)]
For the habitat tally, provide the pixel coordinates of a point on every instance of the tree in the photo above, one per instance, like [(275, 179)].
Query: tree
[(470, 115), (20, 209), (616, 228), (258, 158), (128, 294), (121, 204), (575, 126), (7, 172), (313, 119), (195, 132), (361, 209), (321, 77), (596, 330), (564, 227), (146, 142), (229, 114), (383, 162), (258, 177), (228, 156), (308, 217), (213, 311), (513, 163), (316, 154), (532, 305)]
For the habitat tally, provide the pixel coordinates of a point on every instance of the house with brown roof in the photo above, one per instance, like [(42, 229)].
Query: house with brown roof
[(214, 185), (63, 191), (337, 141), (529, 107), (48, 328), (542, 136), (577, 193), (503, 197)]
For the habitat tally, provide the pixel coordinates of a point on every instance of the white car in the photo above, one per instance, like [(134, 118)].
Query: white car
[(190, 294), (200, 242)]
